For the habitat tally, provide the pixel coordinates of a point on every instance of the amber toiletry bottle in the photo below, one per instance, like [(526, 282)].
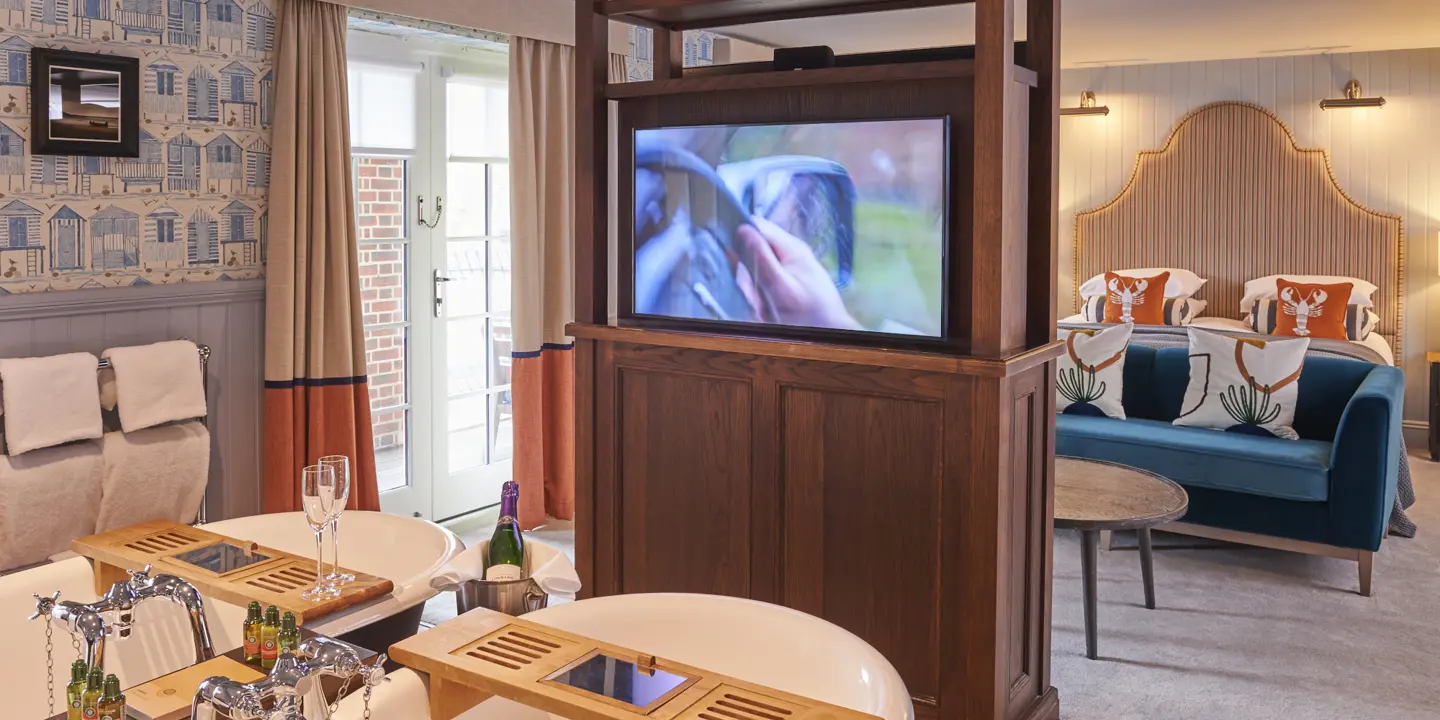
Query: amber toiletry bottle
[(90, 699), (75, 690), (112, 701), (251, 633), (269, 638)]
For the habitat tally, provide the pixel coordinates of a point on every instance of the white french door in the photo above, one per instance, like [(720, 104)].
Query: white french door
[(429, 142)]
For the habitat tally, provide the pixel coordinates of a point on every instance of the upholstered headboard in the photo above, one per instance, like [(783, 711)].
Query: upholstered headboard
[(1231, 197)]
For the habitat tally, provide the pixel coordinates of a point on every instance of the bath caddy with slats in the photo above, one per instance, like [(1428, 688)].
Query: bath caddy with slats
[(484, 653), (276, 580)]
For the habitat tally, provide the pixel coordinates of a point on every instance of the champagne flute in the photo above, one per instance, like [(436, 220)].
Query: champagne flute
[(317, 491), (341, 465)]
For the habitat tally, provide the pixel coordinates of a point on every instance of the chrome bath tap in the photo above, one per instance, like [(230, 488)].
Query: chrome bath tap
[(294, 676), (88, 622)]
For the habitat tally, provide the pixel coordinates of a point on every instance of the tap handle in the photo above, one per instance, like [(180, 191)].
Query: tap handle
[(375, 672), (141, 576), (43, 605)]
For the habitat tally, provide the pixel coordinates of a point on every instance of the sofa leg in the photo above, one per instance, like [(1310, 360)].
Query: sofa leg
[(1367, 565)]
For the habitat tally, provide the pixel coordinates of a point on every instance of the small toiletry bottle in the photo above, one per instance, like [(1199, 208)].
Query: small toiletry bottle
[(75, 690), (112, 701), (289, 637), (90, 699), (251, 633), (269, 638)]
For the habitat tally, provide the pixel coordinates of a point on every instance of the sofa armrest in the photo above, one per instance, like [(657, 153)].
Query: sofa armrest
[(1365, 461)]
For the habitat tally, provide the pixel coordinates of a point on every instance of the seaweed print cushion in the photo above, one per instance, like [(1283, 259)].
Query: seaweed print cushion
[(1092, 371), (1244, 385)]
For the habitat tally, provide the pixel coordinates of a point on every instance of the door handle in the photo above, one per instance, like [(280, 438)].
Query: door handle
[(438, 280)]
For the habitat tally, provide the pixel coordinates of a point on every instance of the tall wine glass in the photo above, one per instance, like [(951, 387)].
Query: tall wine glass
[(317, 492), (341, 465)]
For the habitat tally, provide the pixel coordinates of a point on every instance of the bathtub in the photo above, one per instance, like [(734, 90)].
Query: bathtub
[(405, 550)]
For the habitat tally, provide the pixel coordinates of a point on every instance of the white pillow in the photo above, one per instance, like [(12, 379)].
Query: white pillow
[(1264, 288), (1243, 384), (1090, 375), (1183, 283)]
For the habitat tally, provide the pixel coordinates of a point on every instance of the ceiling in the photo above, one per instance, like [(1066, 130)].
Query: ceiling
[(1131, 32)]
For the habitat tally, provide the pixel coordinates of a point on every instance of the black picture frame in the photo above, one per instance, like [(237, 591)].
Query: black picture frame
[(49, 137)]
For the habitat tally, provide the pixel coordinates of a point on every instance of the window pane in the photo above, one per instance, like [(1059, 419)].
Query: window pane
[(385, 365), (500, 198), (379, 198), (390, 465), (502, 434), (465, 265), (382, 107), (477, 118), (467, 432), (465, 200), (500, 344), (500, 275), (466, 355), (382, 283)]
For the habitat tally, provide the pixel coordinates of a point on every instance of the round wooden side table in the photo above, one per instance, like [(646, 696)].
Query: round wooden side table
[(1094, 495)]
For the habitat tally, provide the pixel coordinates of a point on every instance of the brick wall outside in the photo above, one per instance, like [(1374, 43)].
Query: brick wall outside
[(380, 217)]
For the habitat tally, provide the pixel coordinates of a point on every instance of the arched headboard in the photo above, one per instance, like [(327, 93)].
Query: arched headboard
[(1232, 197)]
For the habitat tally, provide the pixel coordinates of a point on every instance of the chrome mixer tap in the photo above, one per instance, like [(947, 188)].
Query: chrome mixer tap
[(88, 622), (294, 676)]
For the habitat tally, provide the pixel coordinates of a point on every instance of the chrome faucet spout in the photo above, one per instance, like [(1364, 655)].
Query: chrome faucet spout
[(295, 676)]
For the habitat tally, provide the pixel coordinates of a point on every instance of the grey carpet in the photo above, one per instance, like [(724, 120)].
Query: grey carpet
[(1254, 634), (1240, 633)]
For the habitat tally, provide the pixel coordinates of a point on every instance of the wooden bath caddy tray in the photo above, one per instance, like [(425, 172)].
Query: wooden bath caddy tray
[(237, 578), (484, 653)]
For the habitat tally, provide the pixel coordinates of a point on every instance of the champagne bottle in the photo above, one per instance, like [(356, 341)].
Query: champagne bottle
[(90, 699), (112, 701), (289, 637), (506, 554), (269, 638), (75, 690), (251, 634)]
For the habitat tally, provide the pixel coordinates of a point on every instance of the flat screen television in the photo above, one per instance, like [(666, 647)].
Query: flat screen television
[(830, 227)]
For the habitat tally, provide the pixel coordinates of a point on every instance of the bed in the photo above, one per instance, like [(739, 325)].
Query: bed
[(1232, 197)]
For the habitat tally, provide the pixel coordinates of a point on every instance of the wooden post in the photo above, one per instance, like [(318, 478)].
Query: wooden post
[(592, 211), (669, 54), (1042, 54), (998, 266)]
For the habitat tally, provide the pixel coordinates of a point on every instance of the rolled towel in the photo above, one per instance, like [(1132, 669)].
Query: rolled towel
[(557, 577), (47, 498), (153, 474), (157, 383), (50, 401)]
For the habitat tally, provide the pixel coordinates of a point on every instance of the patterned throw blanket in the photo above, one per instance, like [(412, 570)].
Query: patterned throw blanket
[(1174, 336)]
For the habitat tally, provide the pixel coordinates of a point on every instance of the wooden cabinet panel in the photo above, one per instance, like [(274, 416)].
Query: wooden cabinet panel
[(861, 482), (684, 482)]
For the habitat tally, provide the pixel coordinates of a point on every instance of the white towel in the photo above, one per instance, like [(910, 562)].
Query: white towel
[(157, 383), (153, 474), (467, 565), (47, 498), (558, 577), (49, 401)]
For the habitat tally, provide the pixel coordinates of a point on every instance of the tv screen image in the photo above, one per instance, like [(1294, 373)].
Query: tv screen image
[(831, 226)]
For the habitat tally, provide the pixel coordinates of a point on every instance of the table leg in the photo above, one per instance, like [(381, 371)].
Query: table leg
[(1089, 549), (1147, 567)]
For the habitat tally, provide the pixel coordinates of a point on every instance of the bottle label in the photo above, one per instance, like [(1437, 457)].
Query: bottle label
[(268, 649), (502, 573), (90, 713), (252, 645)]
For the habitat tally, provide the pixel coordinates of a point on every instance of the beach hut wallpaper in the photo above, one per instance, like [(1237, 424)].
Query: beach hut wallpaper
[(192, 207)]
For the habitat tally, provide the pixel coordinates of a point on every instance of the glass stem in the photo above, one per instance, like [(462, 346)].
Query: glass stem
[(320, 555), (334, 546)]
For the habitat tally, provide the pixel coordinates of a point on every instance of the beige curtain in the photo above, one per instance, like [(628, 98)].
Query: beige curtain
[(617, 69), (316, 395), (542, 177)]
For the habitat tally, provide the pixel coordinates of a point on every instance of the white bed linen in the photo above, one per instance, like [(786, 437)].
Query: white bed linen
[(1375, 341)]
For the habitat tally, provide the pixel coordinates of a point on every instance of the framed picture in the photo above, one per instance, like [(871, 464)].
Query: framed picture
[(84, 104)]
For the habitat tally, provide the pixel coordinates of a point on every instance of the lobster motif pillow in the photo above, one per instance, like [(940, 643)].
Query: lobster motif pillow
[(1243, 385), (1311, 310), (1136, 300), (1091, 372)]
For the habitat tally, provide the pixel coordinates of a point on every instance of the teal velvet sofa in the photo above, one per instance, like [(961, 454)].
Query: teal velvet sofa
[(1328, 493)]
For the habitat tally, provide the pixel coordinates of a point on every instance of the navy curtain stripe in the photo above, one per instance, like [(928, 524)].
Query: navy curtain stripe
[(314, 382), (543, 348)]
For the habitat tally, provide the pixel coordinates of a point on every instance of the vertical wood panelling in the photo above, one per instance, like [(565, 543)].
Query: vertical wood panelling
[(1387, 159), (228, 317)]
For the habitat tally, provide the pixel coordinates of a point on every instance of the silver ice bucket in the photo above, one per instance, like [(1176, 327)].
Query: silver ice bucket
[(512, 597)]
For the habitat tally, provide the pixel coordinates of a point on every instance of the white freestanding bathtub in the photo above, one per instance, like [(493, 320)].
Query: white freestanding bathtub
[(802, 653), (405, 550)]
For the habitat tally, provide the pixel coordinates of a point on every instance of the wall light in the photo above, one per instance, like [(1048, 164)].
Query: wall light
[(1352, 99), (1087, 106)]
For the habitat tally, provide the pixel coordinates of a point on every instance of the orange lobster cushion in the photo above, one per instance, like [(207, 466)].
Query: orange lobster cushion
[(1135, 300), (1313, 311)]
